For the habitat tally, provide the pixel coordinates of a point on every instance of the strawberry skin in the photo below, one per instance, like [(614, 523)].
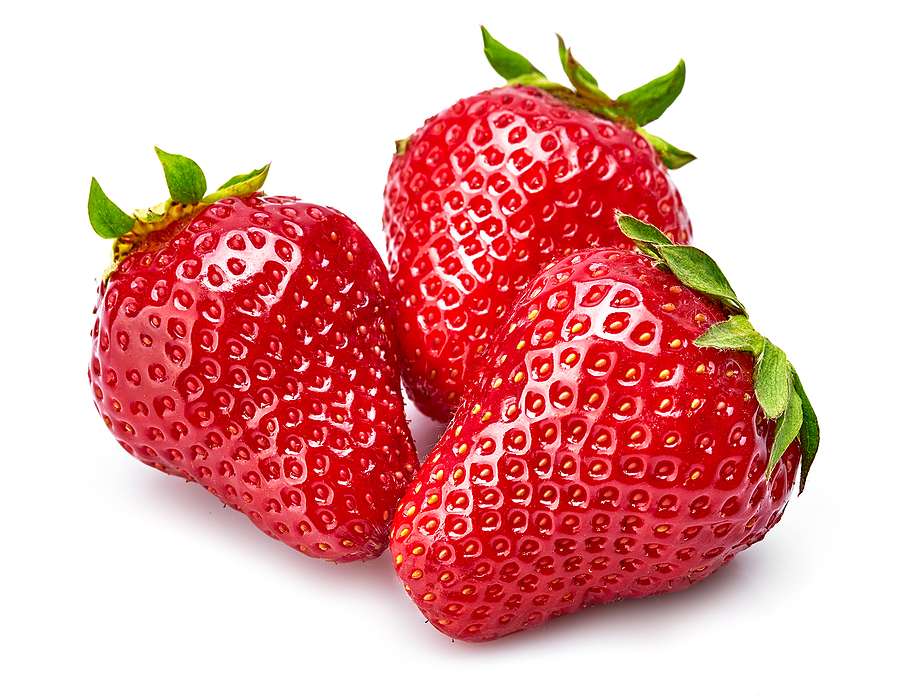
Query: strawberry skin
[(601, 453), (249, 347), (485, 194)]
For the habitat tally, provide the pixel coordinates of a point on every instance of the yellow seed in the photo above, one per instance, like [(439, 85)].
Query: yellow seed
[(645, 337), (668, 307), (577, 327), (416, 574), (675, 344), (487, 445), (544, 368), (695, 404), (548, 336), (665, 374), (446, 576), (439, 474), (519, 377), (511, 411), (428, 597), (501, 360), (701, 369), (520, 345), (671, 440), (497, 382), (593, 398), (565, 395), (570, 358), (462, 449), (486, 416), (399, 559), (432, 500), (476, 408), (700, 318), (418, 549), (403, 533), (458, 474), (631, 373), (533, 314), (410, 511), (665, 404)]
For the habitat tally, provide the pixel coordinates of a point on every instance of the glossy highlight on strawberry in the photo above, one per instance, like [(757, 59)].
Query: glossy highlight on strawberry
[(605, 450), (249, 346), (490, 190)]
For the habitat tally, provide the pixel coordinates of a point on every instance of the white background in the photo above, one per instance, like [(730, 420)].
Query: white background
[(120, 582)]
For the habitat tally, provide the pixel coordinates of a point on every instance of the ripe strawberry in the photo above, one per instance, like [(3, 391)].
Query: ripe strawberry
[(494, 187), (244, 341), (619, 440)]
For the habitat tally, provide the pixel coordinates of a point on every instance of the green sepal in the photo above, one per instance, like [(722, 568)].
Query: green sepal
[(509, 64), (184, 178), (809, 431), (240, 185), (645, 236), (672, 157), (700, 272), (648, 102), (787, 428), (772, 380), (735, 333), (581, 79), (106, 218)]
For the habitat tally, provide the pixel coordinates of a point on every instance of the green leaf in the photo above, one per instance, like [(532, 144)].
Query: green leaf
[(642, 233), (648, 102), (809, 431), (240, 185), (735, 333), (185, 179), (673, 158), (786, 429), (772, 380), (506, 62), (106, 218), (585, 84), (700, 272)]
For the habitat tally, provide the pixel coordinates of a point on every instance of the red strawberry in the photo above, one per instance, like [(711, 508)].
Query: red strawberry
[(491, 189), (244, 342), (614, 444)]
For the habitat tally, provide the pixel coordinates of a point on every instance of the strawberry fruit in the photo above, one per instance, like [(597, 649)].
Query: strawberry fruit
[(245, 342), (494, 187), (627, 434)]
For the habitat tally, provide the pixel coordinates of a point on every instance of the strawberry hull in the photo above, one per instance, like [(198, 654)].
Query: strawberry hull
[(599, 454), (484, 195), (250, 348)]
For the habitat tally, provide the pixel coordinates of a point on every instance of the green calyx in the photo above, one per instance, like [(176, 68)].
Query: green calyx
[(633, 109), (776, 383), (187, 194)]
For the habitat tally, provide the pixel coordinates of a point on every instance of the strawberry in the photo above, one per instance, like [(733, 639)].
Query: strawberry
[(244, 342), (627, 434), (494, 187)]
